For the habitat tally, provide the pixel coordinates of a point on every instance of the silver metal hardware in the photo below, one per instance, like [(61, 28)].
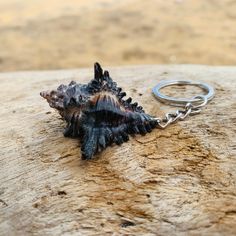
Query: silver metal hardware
[(191, 106)]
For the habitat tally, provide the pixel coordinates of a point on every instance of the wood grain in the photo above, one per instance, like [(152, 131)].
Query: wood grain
[(177, 181)]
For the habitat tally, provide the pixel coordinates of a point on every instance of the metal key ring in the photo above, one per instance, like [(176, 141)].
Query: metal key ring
[(183, 101)]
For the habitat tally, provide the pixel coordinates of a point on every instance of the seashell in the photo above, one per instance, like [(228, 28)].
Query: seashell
[(97, 112)]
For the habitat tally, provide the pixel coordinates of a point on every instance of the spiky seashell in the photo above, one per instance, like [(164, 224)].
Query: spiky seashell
[(97, 112)]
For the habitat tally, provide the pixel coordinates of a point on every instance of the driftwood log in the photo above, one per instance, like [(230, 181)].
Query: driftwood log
[(177, 181)]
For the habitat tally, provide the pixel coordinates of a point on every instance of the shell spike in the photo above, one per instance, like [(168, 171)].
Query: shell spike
[(122, 94), (98, 73), (129, 100), (106, 73)]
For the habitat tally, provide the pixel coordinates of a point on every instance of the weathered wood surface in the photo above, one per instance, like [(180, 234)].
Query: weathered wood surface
[(177, 181)]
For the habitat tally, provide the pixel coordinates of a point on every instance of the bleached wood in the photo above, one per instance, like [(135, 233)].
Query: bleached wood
[(177, 181)]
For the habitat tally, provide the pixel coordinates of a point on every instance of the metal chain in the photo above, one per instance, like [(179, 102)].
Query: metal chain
[(189, 109)]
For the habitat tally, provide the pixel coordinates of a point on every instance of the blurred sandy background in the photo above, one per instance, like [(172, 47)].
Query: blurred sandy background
[(52, 34)]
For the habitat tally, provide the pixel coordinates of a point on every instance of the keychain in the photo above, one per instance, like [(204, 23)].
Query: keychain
[(98, 114), (191, 106)]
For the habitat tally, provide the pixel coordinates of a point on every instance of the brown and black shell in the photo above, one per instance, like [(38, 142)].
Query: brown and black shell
[(97, 112)]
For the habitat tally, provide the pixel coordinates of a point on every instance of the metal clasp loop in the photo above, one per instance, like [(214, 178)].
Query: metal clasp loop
[(195, 101), (191, 106)]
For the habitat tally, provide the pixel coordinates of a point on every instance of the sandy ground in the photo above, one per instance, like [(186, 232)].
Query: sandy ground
[(41, 34)]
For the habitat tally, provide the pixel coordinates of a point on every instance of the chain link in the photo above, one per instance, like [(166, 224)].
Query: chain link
[(189, 109)]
